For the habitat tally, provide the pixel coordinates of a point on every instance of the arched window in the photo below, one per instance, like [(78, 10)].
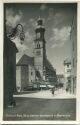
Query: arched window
[(39, 45), (31, 73)]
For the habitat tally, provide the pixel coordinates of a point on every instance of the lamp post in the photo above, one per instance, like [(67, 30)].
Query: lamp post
[(14, 32)]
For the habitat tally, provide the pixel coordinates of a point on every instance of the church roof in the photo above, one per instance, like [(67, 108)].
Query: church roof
[(49, 65), (26, 60)]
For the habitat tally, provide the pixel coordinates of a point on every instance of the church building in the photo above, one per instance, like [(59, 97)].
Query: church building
[(42, 68)]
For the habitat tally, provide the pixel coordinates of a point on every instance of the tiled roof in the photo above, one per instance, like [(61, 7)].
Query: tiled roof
[(26, 60), (67, 61), (49, 65)]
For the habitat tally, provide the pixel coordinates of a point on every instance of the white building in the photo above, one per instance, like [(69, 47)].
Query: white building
[(67, 74), (25, 72)]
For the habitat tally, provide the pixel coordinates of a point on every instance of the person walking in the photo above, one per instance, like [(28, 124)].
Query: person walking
[(53, 90)]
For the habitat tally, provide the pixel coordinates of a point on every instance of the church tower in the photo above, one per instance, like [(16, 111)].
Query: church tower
[(40, 48)]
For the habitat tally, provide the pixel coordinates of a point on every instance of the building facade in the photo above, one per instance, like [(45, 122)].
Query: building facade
[(41, 63), (60, 78), (40, 48), (74, 55), (36, 69), (25, 72), (9, 60), (67, 75)]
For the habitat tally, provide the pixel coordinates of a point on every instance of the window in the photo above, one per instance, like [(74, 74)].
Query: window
[(68, 65), (38, 52), (36, 79), (73, 62), (31, 73), (69, 80), (38, 45), (69, 70), (73, 45)]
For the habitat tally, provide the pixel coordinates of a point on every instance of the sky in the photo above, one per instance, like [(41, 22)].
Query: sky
[(57, 19)]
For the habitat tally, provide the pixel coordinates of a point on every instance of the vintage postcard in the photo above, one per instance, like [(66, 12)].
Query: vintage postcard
[(40, 61)]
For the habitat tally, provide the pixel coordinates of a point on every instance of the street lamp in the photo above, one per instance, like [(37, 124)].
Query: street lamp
[(14, 32)]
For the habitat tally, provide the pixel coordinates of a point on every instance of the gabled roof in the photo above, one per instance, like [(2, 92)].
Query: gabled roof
[(26, 60), (67, 61), (49, 65)]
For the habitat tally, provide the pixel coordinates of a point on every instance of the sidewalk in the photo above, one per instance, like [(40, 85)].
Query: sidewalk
[(47, 94)]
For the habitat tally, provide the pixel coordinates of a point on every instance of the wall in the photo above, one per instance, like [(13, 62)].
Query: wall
[(24, 76), (18, 78), (74, 55), (67, 76), (9, 60), (38, 61), (31, 74)]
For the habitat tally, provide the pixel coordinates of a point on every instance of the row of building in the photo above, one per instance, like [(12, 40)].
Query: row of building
[(70, 65)]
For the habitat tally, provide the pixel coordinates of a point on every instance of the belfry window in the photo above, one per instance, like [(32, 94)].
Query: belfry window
[(31, 73), (38, 45)]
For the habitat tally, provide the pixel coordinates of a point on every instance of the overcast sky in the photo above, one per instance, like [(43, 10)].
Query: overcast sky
[(57, 21)]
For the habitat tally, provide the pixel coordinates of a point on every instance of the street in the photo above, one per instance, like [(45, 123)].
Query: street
[(30, 107), (47, 94)]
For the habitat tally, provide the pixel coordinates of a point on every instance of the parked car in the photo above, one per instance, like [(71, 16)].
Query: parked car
[(29, 87), (50, 86), (43, 86), (32, 87)]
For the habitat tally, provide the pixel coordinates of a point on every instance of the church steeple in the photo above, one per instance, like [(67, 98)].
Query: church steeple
[(40, 30), (40, 47), (40, 21)]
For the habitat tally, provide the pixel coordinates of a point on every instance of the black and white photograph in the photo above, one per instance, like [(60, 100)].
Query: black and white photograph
[(40, 61)]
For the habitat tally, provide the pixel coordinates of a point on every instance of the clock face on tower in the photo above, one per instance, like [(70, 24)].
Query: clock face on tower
[(38, 52)]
